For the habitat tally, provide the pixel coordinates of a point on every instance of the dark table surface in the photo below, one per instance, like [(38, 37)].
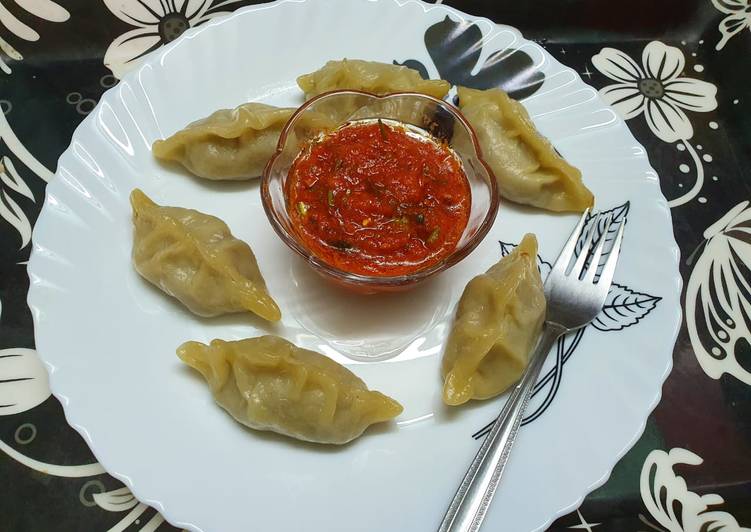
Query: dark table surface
[(691, 469)]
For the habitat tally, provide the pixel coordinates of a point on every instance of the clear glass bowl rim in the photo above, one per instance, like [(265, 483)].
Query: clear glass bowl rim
[(377, 280)]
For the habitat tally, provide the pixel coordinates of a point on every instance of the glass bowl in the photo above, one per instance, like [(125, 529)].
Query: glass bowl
[(440, 119)]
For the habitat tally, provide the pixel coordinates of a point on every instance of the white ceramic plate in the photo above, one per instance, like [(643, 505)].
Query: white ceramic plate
[(109, 339)]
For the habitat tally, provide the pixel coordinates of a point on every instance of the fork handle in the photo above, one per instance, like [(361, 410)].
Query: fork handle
[(472, 500)]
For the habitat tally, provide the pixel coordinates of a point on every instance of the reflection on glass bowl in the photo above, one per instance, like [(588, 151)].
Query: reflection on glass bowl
[(438, 118)]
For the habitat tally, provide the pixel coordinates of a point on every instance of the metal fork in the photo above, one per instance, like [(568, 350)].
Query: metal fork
[(575, 296)]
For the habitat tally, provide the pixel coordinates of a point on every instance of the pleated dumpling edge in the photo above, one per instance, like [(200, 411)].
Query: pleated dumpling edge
[(369, 76), (526, 165), (268, 383), (497, 324), (193, 257)]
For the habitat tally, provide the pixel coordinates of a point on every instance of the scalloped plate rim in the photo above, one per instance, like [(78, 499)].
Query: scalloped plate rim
[(35, 294)]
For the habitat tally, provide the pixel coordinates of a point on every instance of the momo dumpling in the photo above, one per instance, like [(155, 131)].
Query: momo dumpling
[(525, 164), (498, 322), (232, 144), (369, 76), (267, 383), (193, 257)]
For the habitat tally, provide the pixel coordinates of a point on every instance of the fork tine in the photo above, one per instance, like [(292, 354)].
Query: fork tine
[(594, 264), (561, 264), (581, 261), (606, 277)]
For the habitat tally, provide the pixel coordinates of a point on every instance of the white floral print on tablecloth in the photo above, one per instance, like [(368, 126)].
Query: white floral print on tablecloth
[(657, 89), (718, 306), (12, 184), (738, 19), (47, 10), (671, 503)]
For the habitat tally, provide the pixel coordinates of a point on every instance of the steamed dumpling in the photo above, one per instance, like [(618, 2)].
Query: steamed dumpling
[(369, 76), (267, 383), (525, 164), (497, 324), (193, 257), (232, 144)]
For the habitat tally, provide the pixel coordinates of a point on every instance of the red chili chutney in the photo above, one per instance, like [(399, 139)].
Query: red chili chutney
[(372, 199)]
